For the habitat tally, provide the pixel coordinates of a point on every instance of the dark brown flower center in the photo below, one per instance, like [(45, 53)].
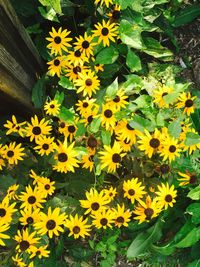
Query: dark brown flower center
[(104, 31), (116, 99), (77, 69), (62, 125), (148, 212), (189, 103), (52, 106), (56, 62), (129, 127), (71, 129), (2, 212), (92, 142), (131, 192), (88, 82), (29, 220), (47, 186), (57, 40), (164, 94), (31, 200), (154, 142), (36, 130), (116, 158), (164, 168), (91, 158), (77, 53), (108, 113), (62, 157), (95, 206), (120, 219), (51, 224), (10, 153), (76, 229), (38, 253), (168, 198), (45, 146), (116, 14), (103, 221), (127, 141), (172, 149), (24, 245), (90, 119), (85, 104), (193, 179), (85, 44)]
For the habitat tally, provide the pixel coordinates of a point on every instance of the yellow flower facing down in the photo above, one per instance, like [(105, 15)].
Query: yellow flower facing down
[(121, 216), (14, 127), (39, 252), (6, 210), (95, 201), (186, 101), (13, 153), (166, 195), (58, 41), (88, 83), (25, 240), (125, 131), (12, 192), (85, 44), (133, 190), (52, 108), (106, 32), (187, 178), (3, 228), (51, 223), (147, 210), (56, 66), (77, 226), (111, 157), (65, 157), (29, 216), (159, 96), (103, 219)]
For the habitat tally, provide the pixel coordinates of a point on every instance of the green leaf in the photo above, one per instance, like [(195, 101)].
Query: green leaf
[(190, 239), (112, 89), (171, 98), (143, 240), (107, 55), (65, 83), (134, 82), (95, 124), (48, 13), (66, 115), (195, 263), (130, 34), (186, 15), (192, 139), (165, 250), (175, 128), (143, 101), (59, 96), (125, 3), (194, 194), (194, 211), (141, 124), (133, 61), (38, 92), (106, 137), (81, 129), (55, 4)]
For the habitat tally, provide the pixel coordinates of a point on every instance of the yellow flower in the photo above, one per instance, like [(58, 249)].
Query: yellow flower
[(87, 161), (6, 210), (69, 130), (108, 120), (45, 186), (18, 261), (171, 149), (14, 127), (52, 107), (103, 219), (11, 192), (186, 101), (3, 228), (85, 44), (72, 71), (90, 115), (114, 13), (65, 157), (110, 193), (166, 195), (51, 223), (105, 32), (85, 106), (187, 178), (159, 95), (121, 216), (102, 2), (147, 210), (25, 240), (77, 58), (133, 190), (77, 226), (45, 145), (13, 153), (119, 101), (39, 252), (29, 216), (111, 157), (124, 131), (56, 65), (58, 41)]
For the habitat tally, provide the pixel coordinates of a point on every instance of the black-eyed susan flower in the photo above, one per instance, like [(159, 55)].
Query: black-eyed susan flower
[(31, 198), (85, 44), (186, 101), (85, 106), (25, 240), (150, 143), (72, 71), (56, 66), (12, 192), (14, 127), (88, 161), (13, 153), (65, 157), (147, 210), (95, 201), (88, 83), (37, 128), (90, 115), (170, 149), (3, 228), (104, 2), (29, 216), (125, 143), (108, 119), (159, 95), (187, 178), (77, 58), (51, 223), (119, 101), (58, 41), (6, 210), (52, 108), (110, 193), (133, 190), (111, 157), (68, 131), (44, 145), (92, 143), (103, 219), (39, 252), (124, 131), (114, 13), (45, 186), (98, 67), (166, 195), (18, 260), (121, 216), (78, 227)]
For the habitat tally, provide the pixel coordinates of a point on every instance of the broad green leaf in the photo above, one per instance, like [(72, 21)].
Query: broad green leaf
[(160, 120), (144, 240), (175, 128), (166, 250), (143, 101), (194, 194), (38, 93), (59, 96), (171, 98), (106, 137), (192, 139), (130, 34), (194, 211), (95, 124), (190, 239), (55, 4), (107, 55), (141, 124), (125, 3), (112, 89), (81, 129), (48, 13), (66, 115), (134, 82), (65, 83), (186, 15), (133, 61), (195, 263)]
